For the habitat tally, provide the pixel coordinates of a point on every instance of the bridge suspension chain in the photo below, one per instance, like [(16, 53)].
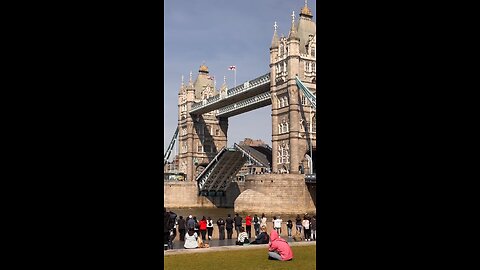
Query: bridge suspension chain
[(170, 147), (307, 93)]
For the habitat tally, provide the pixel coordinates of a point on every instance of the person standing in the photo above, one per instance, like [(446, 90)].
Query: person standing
[(181, 228), (238, 223), (221, 229), (196, 227), (229, 226), (203, 227), (278, 225), (263, 221), (190, 223), (248, 225), (289, 228), (166, 229), (306, 228), (313, 228), (256, 225), (298, 224), (209, 228)]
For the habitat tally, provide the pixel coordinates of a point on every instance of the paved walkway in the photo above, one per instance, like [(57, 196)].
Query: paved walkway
[(227, 244)]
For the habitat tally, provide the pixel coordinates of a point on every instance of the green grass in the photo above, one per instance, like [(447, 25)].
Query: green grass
[(304, 257)]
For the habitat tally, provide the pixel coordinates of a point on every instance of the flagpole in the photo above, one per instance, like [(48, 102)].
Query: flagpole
[(235, 77)]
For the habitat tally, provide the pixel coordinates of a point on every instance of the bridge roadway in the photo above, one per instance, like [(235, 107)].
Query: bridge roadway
[(250, 89)]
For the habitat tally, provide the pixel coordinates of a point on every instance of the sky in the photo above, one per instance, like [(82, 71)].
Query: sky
[(221, 33)]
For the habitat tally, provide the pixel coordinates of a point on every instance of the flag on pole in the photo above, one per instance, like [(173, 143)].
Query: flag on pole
[(232, 68)]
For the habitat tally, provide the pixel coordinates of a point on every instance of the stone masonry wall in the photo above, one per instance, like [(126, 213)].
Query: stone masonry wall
[(185, 194), (275, 194)]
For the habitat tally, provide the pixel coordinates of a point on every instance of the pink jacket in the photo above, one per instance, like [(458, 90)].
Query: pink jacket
[(280, 246)]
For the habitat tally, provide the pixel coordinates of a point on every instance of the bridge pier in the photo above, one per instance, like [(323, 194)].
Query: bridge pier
[(275, 194)]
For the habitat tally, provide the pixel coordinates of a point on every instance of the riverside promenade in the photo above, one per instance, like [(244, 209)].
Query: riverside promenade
[(225, 245), (283, 234)]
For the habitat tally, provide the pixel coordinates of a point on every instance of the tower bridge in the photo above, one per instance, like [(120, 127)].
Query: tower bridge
[(289, 88)]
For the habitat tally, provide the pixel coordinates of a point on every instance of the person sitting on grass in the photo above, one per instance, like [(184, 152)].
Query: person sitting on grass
[(279, 249), (263, 237), (202, 244), (191, 239), (242, 237), (297, 237)]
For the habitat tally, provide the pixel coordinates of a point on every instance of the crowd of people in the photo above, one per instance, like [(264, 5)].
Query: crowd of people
[(196, 233)]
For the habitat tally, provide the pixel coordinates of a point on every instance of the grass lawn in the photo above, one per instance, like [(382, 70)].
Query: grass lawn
[(304, 257)]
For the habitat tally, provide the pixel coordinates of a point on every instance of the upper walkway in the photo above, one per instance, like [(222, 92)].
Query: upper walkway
[(250, 93)]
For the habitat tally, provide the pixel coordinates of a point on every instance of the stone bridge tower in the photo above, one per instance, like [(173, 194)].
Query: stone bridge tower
[(200, 137), (293, 118)]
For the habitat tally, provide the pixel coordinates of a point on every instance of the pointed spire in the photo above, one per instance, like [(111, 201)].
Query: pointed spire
[(182, 81), (190, 83), (275, 40), (293, 32), (306, 12)]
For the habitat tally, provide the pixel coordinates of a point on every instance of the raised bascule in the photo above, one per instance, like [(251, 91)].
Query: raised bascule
[(210, 167)]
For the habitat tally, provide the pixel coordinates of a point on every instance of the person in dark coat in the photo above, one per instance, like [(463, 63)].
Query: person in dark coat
[(166, 230), (196, 228), (221, 229), (229, 226), (182, 228), (298, 224), (190, 223), (238, 223), (262, 238), (256, 225)]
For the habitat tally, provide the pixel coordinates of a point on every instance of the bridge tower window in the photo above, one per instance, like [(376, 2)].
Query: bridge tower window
[(217, 132), (314, 124), (208, 148), (282, 101), (286, 101), (200, 148), (313, 51), (313, 67)]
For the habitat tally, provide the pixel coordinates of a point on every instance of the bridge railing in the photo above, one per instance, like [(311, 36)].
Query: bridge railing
[(244, 103), (234, 91)]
